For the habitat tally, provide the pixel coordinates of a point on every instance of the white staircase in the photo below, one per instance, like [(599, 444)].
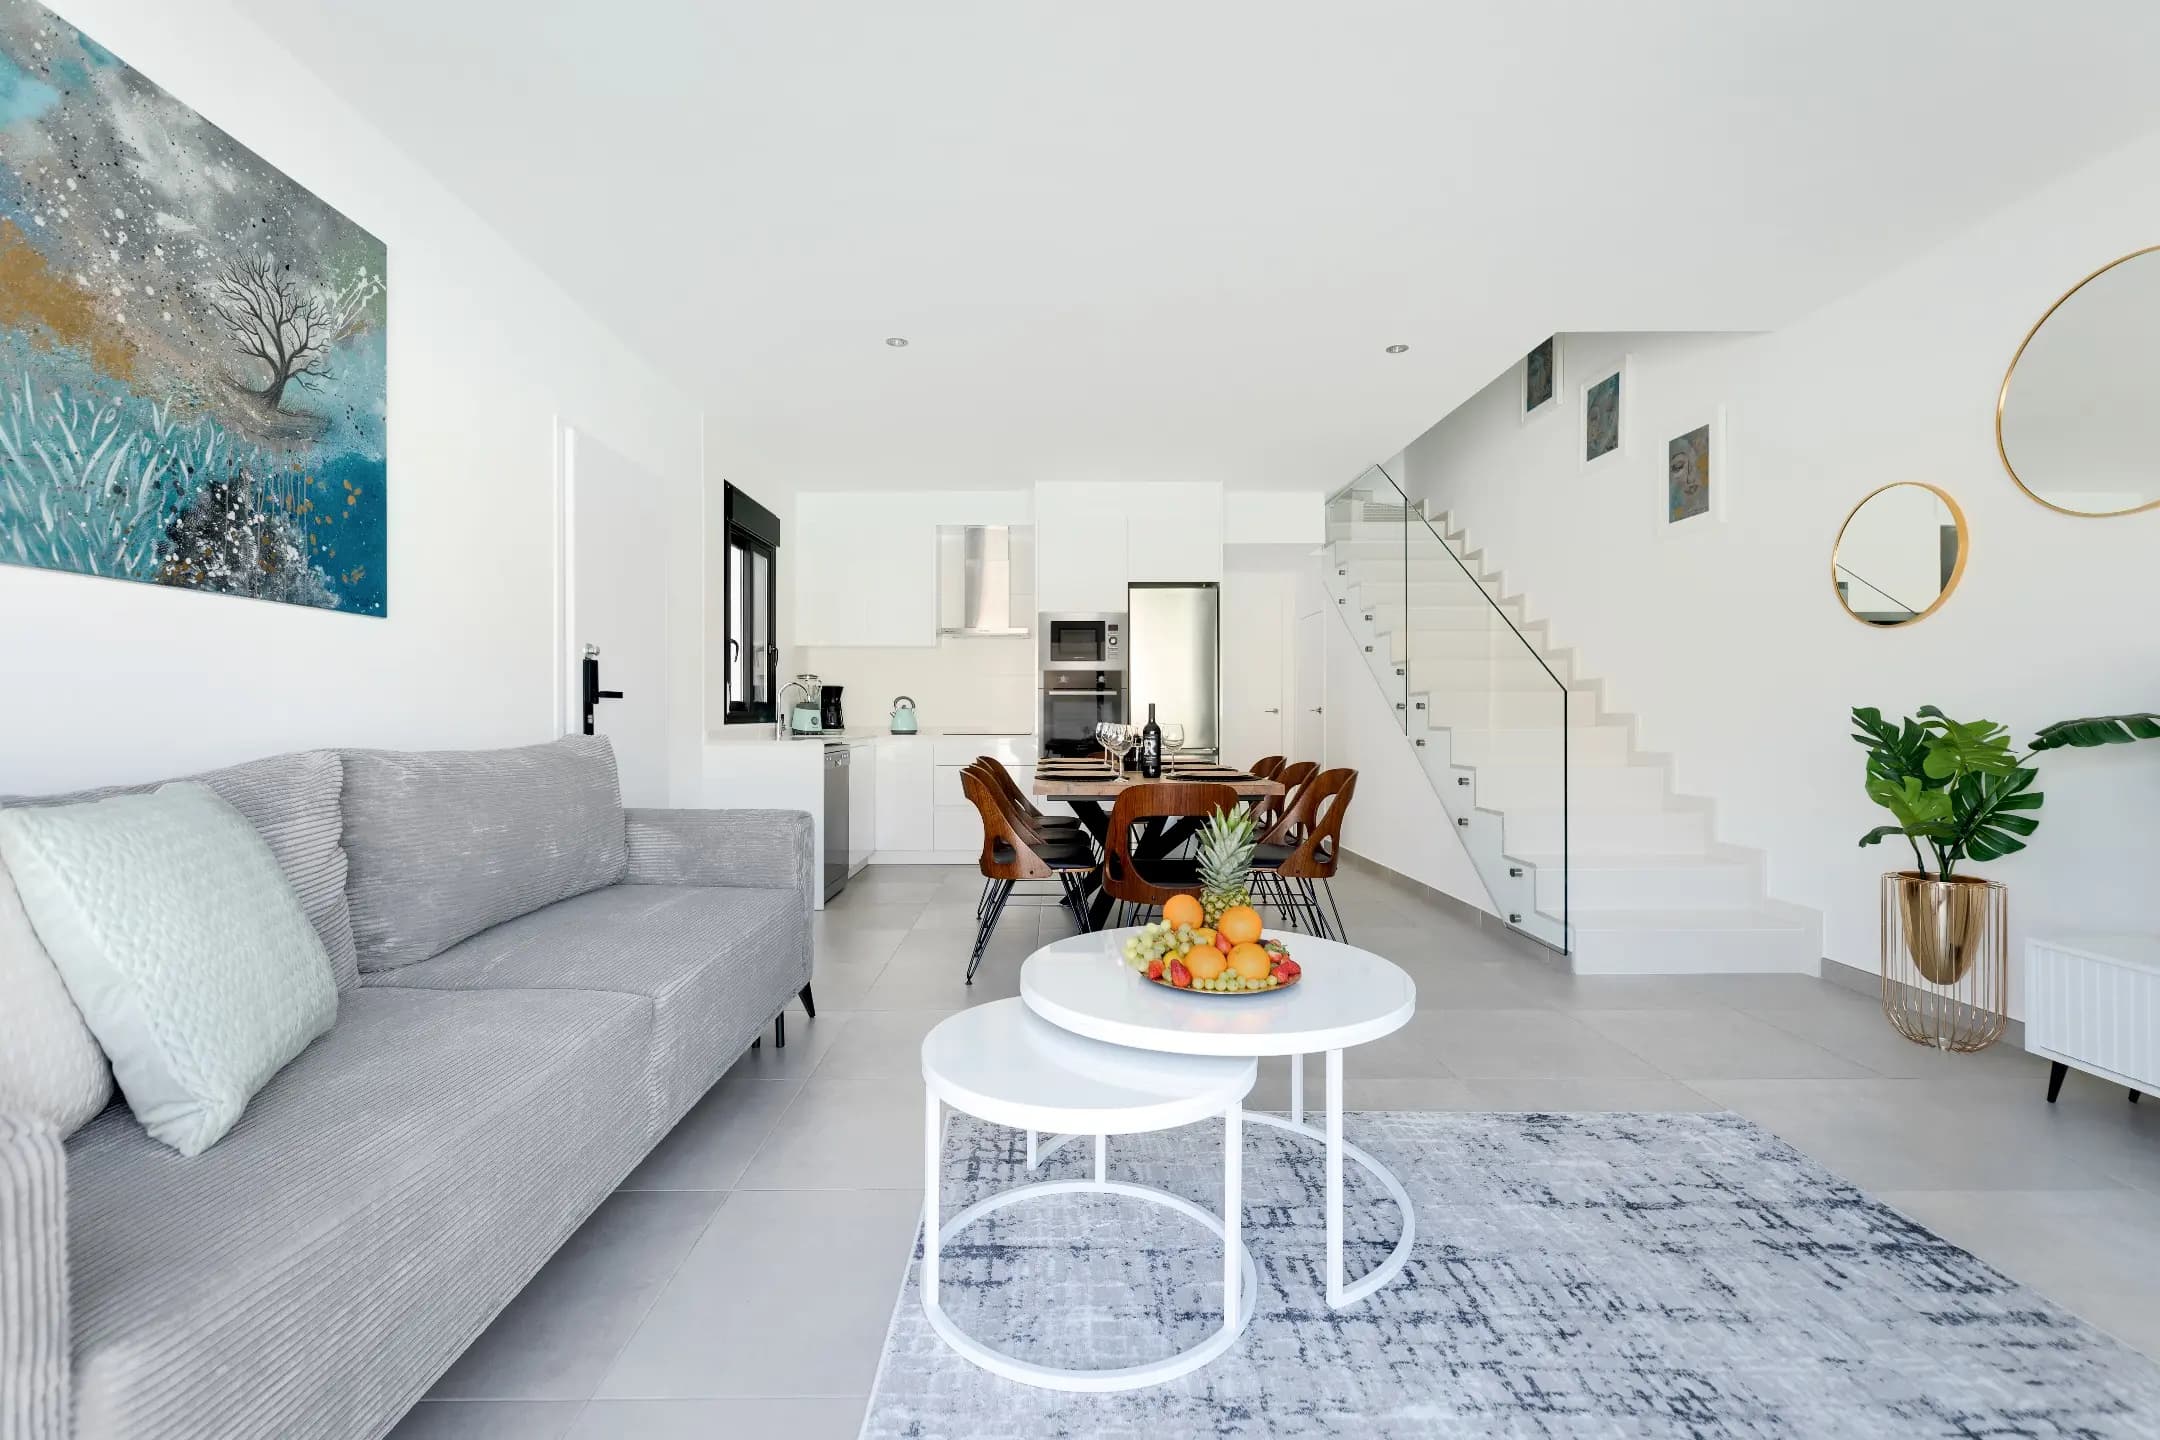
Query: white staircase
[(1587, 848)]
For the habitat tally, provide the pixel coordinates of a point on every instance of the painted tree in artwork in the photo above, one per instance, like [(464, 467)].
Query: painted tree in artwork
[(271, 316)]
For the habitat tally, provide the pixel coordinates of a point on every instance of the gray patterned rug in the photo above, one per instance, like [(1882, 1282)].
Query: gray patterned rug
[(1575, 1275)]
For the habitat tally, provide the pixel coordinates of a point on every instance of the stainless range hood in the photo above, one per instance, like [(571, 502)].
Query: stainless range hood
[(986, 579)]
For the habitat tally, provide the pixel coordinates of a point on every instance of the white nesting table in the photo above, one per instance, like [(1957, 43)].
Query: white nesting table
[(1010, 1067), (1347, 997)]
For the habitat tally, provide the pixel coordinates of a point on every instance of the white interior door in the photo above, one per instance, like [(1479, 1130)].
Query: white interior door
[(1308, 691), (1255, 641), (613, 600)]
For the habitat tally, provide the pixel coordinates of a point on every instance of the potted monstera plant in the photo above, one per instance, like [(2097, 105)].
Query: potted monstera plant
[(1961, 789)]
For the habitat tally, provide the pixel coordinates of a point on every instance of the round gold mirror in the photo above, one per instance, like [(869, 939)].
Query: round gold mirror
[(1899, 555), (2070, 423)]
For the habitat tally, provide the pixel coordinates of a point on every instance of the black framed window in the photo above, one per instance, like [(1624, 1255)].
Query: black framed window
[(751, 580)]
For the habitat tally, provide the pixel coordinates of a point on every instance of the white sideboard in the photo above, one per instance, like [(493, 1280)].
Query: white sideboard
[(2092, 1003)]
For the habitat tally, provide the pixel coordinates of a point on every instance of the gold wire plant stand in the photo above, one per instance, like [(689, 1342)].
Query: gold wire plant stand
[(1946, 959)]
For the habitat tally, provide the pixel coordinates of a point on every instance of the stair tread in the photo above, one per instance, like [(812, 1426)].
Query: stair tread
[(1736, 917)]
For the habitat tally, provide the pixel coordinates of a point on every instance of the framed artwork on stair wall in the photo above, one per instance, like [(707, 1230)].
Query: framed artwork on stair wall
[(193, 346), (1696, 474), (1603, 401), (1541, 381)]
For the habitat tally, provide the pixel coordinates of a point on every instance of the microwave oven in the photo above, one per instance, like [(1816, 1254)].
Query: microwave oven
[(1082, 641)]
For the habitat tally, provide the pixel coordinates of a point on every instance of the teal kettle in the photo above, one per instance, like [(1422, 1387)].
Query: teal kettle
[(903, 715)]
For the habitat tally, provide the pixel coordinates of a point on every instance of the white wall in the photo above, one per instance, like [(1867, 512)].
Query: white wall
[(111, 681), (1722, 633)]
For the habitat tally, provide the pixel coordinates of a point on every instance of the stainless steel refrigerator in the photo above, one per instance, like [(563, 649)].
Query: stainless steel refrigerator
[(1173, 636)]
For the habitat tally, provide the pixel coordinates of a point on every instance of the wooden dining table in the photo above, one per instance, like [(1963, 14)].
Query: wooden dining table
[(1091, 787)]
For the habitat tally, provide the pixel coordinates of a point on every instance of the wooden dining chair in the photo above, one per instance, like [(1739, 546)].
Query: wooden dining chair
[(1304, 850), (1011, 853), (1047, 833), (1139, 884), (1265, 767), (1270, 813)]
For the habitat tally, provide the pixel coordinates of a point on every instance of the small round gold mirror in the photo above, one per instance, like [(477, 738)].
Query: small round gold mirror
[(2071, 420), (1899, 555)]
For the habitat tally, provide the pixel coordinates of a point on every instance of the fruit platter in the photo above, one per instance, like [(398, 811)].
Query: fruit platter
[(1182, 951)]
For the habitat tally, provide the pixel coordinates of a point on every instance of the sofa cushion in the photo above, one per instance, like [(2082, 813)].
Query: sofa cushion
[(380, 1200), (292, 801), (442, 844), (716, 964), (51, 1068), (180, 942)]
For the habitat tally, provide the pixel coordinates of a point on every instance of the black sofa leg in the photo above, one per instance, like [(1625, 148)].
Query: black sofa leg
[(2055, 1079), (809, 1006), (779, 1031)]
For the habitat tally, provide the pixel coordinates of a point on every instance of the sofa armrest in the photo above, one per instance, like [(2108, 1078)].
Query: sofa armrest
[(752, 849), (34, 1381)]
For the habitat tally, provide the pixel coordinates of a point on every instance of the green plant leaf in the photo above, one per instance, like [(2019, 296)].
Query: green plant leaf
[(2098, 730), (1964, 747), (1881, 833), (1989, 818), (1920, 809)]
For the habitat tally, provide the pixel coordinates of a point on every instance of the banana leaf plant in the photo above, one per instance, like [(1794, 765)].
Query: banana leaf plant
[(1960, 788)]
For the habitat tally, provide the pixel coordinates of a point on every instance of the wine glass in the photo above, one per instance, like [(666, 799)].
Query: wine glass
[(1173, 738)]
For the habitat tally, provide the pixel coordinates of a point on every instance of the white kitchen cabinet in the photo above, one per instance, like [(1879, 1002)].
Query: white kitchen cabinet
[(903, 797), (862, 803), (1080, 540), (1173, 531)]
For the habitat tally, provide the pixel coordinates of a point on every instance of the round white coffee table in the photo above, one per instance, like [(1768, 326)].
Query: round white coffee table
[(1003, 1064), (1347, 997)]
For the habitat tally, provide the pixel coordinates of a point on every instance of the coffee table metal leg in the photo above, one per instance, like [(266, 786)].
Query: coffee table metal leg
[(1102, 1158), (1334, 1181), (1233, 1216), (1297, 1089), (933, 1166)]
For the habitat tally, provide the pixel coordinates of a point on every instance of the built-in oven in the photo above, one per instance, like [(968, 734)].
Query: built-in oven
[(1081, 642), (1074, 702)]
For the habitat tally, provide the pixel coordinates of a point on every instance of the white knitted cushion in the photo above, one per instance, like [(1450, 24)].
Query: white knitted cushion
[(50, 1066), (182, 944)]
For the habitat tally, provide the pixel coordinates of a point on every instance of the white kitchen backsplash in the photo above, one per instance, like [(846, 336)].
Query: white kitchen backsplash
[(963, 682)]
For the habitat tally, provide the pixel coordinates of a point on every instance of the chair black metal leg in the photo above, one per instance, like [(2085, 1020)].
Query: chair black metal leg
[(982, 901), (809, 1006), (779, 1031), (1003, 889), (1312, 906), (1342, 931)]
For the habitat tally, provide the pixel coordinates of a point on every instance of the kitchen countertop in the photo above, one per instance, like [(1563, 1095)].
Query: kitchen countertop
[(763, 734)]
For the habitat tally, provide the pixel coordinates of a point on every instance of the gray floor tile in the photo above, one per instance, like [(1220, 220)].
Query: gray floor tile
[(1564, 1093), (881, 1045), (1886, 1134), (795, 1418), (787, 1293), (841, 942), (558, 1337), (1701, 1044), (712, 1145), (1506, 1044), (807, 1042), (1860, 1033), (871, 914), (843, 1134), (488, 1420)]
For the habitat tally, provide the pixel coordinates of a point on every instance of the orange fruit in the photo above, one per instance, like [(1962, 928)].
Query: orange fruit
[(1251, 961), (1182, 910), (1203, 936), (1205, 962), (1241, 923)]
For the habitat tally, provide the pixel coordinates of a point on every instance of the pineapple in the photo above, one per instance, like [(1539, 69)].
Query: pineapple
[(1227, 842)]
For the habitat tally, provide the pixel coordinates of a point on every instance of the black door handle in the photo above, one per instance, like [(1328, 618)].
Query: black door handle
[(590, 668)]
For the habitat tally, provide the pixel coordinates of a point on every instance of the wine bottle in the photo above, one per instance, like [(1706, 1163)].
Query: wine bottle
[(1151, 748)]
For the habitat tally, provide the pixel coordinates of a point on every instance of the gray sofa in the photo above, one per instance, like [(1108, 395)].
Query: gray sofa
[(535, 985)]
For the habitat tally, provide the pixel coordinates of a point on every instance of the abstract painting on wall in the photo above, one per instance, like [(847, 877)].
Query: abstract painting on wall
[(1601, 417), (1687, 482), (1541, 375), (193, 348)]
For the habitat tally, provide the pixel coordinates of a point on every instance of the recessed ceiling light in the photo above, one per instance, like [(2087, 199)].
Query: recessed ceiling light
[(1392, 349), (898, 342)]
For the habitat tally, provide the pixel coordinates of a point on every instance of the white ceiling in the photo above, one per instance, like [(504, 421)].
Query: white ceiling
[(1171, 240)]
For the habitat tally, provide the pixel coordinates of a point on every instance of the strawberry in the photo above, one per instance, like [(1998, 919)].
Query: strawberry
[(1179, 975), (1155, 968), (1287, 970)]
